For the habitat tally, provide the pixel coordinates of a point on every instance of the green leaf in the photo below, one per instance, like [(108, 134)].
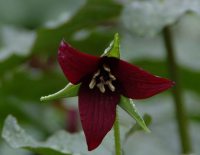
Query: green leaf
[(149, 17), (69, 91), (10, 63), (129, 107), (90, 42), (15, 45), (61, 143), (92, 14), (39, 16), (12, 46), (16, 137), (32, 85), (113, 49)]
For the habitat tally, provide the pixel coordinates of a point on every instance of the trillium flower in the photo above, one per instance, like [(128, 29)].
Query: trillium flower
[(102, 81)]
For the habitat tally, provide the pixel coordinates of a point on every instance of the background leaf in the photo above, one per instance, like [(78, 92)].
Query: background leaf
[(86, 18), (151, 16), (61, 143)]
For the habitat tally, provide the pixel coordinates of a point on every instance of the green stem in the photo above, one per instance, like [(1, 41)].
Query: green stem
[(117, 136), (177, 93)]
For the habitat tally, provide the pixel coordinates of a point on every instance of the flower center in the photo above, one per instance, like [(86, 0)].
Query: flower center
[(103, 78)]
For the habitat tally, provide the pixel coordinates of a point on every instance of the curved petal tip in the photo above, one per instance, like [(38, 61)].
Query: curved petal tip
[(97, 113), (139, 84), (74, 63)]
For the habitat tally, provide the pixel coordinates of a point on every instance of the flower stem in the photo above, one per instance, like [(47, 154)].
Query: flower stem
[(117, 136), (177, 92)]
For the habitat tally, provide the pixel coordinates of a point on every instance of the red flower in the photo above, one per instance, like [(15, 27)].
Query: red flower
[(103, 80)]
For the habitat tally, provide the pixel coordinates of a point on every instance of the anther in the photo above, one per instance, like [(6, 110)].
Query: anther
[(101, 80), (110, 86), (106, 68), (92, 84), (112, 76), (96, 74), (101, 87)]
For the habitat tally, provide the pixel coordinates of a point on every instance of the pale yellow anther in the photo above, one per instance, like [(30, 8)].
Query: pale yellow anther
[(96, 74), (101, 87), (101, 81), (112, 76), (92, 84), (110, 86), (106, 68)]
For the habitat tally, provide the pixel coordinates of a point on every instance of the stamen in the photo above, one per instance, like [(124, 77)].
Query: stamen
[(92, 84), (96, 74), (110, 86), (106, 68), (101, 79), (112, 76), (101, 87)]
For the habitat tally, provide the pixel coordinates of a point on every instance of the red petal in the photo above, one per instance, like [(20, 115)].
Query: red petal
[(75, 64), (97, 112), (139, 84)]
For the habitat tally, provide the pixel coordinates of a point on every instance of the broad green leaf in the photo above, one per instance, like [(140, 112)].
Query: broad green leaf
[(149, 17), (38, 15), (10, 63), (7, 107), (94, 38), (15, 41), (92, 14), (69, 91), (17, 137), (30, 86), (32, 117), (61, 143), (129, 107), (114, 48)]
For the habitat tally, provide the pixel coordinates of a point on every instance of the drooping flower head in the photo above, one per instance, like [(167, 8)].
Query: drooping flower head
[(103, 80)]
